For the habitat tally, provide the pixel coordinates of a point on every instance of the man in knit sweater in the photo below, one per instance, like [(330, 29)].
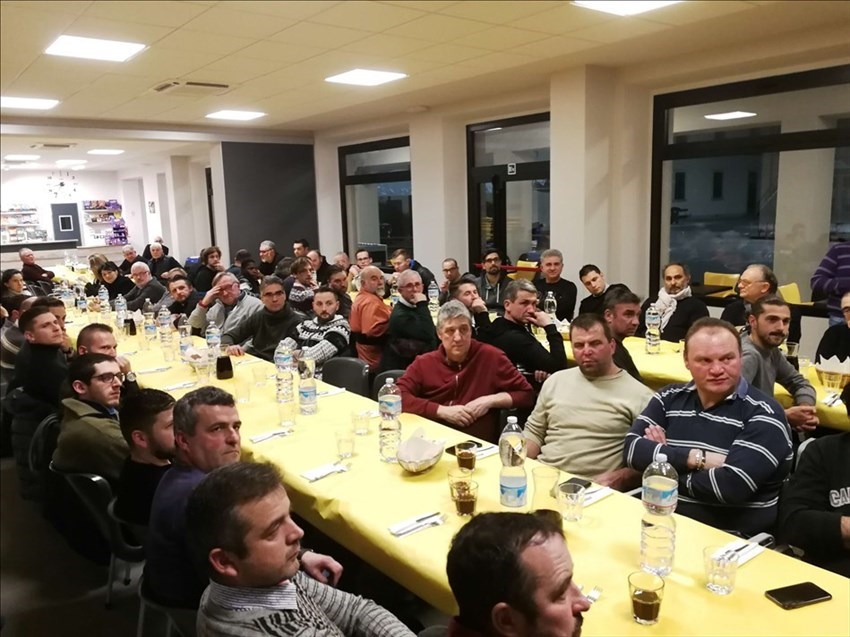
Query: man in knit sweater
[(410, 331), (583, 414), (370, 317), (464, 382), (764, 364), (729, 441), (261, 332), (225, 305), (326, 334), (832, 279), (239, 524)]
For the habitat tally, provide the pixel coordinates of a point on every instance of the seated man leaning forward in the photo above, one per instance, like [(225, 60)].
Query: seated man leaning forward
[(729, 441), (583, 413), (239, 524), (512, 575), (464, 382)]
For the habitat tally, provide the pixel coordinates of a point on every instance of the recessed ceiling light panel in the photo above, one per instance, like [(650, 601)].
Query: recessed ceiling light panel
[(239, 116), (22, 157), (625, 8), (94, 48), (365, 77), (105, 151), (33, 103), (730, 115)]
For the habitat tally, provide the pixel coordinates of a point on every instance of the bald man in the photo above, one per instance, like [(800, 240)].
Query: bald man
[(370, 317)]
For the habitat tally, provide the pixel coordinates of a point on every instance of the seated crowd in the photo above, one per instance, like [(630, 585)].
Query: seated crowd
[(223, 551)]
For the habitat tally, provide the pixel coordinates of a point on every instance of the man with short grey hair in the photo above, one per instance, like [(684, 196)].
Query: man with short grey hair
[(31, 271), (563, 291), (130, 257), (510, 333), (160, 263), (464, 382), (147, 287), (225, 304), (411, 329), (269, 257)]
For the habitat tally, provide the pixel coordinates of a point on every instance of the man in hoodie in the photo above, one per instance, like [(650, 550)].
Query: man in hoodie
[(463, 383), (90, 439), (261, 332)]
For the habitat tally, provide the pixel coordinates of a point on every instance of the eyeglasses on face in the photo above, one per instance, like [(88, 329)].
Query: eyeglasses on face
[(109, 377)]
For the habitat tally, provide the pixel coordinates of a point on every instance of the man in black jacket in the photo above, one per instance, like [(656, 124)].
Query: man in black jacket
[(41, 367), (465, 290), (401, 261), (184, 296), (411, 329), (510, 334), (836, 339), (622, 313), (160, 262), (677, 307), (757, 282), (549, 280), (320, 266)]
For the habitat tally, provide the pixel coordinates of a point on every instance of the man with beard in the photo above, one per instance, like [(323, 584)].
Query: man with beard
[(493, 281), (512, 575), (326, 334), (261, 332), (370, 317), (147, 424), (451, 272), (184, 296), (764, 364), (90, 439), (583, 413), (338, 281), (269, 257), (678, 309), (465, 290), (622, 313)]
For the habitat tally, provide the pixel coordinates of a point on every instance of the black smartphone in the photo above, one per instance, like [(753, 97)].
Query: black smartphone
[(798, 595), (579, 481), (452, 451)]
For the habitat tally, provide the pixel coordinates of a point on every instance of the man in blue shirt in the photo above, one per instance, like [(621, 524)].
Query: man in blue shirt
[(729, 441)]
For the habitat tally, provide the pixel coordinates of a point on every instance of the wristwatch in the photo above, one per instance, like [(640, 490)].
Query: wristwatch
[(130, 377)]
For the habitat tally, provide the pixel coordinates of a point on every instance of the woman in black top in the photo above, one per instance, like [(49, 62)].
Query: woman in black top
[(114, 282), (210, 266)]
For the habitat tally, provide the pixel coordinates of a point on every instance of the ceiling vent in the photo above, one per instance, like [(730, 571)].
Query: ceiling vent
[(177, 88), (46, 146)]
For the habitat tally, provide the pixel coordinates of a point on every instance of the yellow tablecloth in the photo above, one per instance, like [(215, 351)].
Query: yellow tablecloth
[(355, 509)]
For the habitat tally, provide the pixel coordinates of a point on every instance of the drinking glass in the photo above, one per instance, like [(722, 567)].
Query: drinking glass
[(646, 592), (243, 390), (458, 474), (545, 479), (831, 381), (360, 422), (465, 455), (720, 568), (465, 497), (344, 443), (260, 375), (571, 501)]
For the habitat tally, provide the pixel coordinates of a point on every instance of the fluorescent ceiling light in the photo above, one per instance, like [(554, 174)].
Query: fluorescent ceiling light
[(731, 115), (22, 157), (34, 103), (93, 48), (240, 116), (105, 151), (628, 7), (365, 77), (71, 162)]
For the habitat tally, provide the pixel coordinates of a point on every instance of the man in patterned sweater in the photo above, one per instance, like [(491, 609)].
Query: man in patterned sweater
[(729, 441), (239, 524), (326, 334)]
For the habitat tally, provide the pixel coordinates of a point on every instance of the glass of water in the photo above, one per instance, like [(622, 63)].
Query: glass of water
[(721, 565)]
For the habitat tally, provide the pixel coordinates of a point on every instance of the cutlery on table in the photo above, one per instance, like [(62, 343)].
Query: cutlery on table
[(594, 594), (437, 521), (403, 527), (185, 385), (270, 435), (154, 370)]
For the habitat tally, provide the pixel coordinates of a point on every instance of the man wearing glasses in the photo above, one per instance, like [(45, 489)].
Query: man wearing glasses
[(269, 257), (225, 304), (452, 274), (147, 287), (756, 282), (493, 281), (411, 329), (90, 439)]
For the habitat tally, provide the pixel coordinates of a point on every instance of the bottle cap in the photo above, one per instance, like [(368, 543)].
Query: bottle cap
[(661, 457)]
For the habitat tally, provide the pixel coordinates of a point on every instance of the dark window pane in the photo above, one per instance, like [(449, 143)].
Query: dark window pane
[(372, 162), (679, 187), (380, 216), (717, 185), (512, 144)]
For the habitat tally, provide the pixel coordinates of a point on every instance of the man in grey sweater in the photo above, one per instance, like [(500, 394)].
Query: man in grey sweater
[(239, 524), (225, 304), (764, 364)]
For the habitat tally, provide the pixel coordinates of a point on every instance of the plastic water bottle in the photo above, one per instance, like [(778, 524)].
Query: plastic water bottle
[(163, 320), (394, 295), (82, 306), (658, 527), (433, 298), (550, 306), (283, 369), (149, 321), (653, 330), (120, 310), (213, 336), (389, 431), (307, 387), (103, 304), (513, 480), (185, 331)]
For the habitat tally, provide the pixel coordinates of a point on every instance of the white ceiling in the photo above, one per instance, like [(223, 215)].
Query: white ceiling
[(276, 54)]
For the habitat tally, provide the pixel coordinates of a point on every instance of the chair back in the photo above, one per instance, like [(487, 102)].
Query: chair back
[(721, 278), (43, 444), (528, 275), (381, 378), (350, 373), (790, 292), (800, 451)]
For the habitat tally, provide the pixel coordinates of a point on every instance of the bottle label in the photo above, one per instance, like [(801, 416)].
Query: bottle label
[(390, 405), (660, 492), (513, 496), (307, 394)]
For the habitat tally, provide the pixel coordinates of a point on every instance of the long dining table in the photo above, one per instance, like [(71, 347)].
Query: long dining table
[(355, 508)]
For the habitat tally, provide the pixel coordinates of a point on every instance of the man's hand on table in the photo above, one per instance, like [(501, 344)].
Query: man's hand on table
[(315, 565), (458, 415), (802, 417), (235, 350)]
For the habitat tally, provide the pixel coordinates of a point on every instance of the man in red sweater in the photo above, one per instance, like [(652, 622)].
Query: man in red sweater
[(370, 317), (464, 382)]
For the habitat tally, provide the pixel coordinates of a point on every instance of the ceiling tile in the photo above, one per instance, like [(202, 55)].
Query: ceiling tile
[(310, 33), (688, 12), (412, 67), (620, 30), (437, 28), (116, 30), (279, 51), (388, 45), (497, 11), (238, 23), (447, 53), (189, 40), (71, 7), (422, 5), (143, 107), (554, 46), (269, 85), (167, 64), (497, 61), (369, 16), (500, 38), (62, 78), (563, 19), (237, 70), (332, 63), (165, 13), (289, 10), (24, 34)]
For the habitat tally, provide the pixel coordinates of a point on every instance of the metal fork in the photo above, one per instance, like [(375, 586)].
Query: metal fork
[(594, 594)]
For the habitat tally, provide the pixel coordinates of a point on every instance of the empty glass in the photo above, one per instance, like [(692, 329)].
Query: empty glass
[(360, 422), (344, 443), (571, 501), (260, 375), (721, 565), (545, 479)]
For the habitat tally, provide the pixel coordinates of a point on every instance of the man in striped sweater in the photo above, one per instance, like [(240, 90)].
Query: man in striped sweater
[(730, 442), (832, 279), (326, 334)]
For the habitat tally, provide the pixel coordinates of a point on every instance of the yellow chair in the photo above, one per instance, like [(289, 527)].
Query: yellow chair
[(791, 293), (721, 278), (524, 274)]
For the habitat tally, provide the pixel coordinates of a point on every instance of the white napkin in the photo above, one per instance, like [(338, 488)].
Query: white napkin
[(593, 496), (320, 472), (834, 364), (743, 549), (486, 451), (331, 392), (406, 526)]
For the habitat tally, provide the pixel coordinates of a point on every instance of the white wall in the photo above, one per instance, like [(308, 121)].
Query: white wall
[(30, 187)]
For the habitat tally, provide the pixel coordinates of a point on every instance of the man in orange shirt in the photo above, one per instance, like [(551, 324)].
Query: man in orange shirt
[(370, 317)]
